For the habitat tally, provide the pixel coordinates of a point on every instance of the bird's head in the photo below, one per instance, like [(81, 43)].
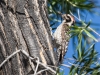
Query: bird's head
[(68, 19)]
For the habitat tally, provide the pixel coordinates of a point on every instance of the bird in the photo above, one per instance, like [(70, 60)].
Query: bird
[(61, 36)]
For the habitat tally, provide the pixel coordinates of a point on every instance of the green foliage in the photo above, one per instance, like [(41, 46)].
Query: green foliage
[(65, 5), (59, 72), (85, 57), (81, 32), (87, 63)]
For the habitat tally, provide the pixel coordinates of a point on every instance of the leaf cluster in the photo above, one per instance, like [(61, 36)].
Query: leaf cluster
[(54, 6), (86, 56)]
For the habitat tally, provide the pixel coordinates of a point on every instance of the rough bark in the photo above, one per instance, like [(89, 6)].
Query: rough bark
[(24, 25)]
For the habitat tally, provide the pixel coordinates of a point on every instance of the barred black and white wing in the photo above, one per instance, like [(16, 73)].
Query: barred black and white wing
[(61, 36)]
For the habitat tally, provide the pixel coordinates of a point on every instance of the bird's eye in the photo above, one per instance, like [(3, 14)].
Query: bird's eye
[(67, 16), (68, 19)]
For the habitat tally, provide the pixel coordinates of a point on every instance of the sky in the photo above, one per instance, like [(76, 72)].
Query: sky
[(94, 19)]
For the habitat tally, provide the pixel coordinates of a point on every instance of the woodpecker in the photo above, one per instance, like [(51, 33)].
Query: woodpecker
[(61, 36)]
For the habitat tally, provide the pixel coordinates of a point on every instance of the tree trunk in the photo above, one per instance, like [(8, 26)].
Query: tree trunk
[(24, 26)]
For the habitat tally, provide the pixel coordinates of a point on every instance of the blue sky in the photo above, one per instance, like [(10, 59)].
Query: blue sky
[(94, 19)]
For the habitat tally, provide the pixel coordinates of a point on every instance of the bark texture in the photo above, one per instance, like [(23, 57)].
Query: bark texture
[(24, 25)]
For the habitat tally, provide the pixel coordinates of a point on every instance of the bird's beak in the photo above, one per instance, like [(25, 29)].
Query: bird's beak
[(73, 20), (73, 23)]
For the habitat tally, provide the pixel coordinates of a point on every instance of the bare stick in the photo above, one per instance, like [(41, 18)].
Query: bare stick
[(46, 66), (9, 58), (31, 58), (36, 66), (26, 54), (79, 14), (38, 62), (31, 64), (66, 65), (41, 71)]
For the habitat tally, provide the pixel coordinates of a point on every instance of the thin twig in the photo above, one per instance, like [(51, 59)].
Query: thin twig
[(36, 66), (74, 65), (26, 54), (79, 14), (66, 65), (71, 59), (31, 64), (41, 71), (9, 58), (46, 66), (31, 58)]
